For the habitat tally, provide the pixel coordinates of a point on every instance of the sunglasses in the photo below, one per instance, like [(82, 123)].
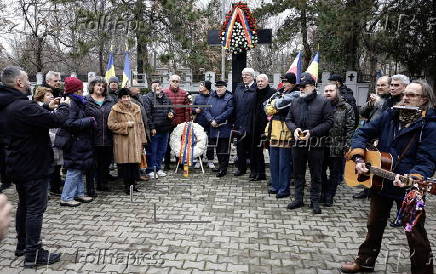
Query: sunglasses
[(395, 85), (285, 81), (175, 81)]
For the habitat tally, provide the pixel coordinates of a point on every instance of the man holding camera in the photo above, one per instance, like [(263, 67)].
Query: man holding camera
[(30, 159)]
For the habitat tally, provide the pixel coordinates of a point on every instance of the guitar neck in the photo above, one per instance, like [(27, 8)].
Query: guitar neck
[(390, 175)]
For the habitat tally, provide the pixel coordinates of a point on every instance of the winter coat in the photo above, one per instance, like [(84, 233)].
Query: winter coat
[(314, 113), (221, 111), (339, 138), (348, 96), (157, 109), (102, 134), (372, 110), (278, 134), (178, 98), (201, 99), (128, 141), (79, 154), (259, 116), (25, 126), (420, 158), (244, 105), (138, 100)]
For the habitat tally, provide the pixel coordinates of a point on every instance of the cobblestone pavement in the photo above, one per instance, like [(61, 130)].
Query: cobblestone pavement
[(208, 224)]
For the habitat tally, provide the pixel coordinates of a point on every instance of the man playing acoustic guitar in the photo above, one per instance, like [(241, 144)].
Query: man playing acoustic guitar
[(410, 137)]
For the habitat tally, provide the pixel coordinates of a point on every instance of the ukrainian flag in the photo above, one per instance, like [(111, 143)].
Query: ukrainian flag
[(126, 71), (313, 67), (110, 67)]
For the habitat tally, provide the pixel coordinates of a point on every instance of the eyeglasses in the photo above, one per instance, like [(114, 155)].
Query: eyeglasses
[(412, 95)]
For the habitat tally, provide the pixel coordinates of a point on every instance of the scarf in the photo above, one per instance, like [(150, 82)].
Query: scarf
[(79, 98), (407, 117)]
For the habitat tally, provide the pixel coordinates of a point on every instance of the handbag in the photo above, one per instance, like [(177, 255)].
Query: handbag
[(143, 163)]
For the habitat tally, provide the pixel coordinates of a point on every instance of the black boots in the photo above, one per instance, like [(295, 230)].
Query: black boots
[(41, 257)]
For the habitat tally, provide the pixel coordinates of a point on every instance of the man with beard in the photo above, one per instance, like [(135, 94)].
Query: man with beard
[(340, 139), (30, 159), (409, 136), (347, 94), (310, 117), (372, 110)]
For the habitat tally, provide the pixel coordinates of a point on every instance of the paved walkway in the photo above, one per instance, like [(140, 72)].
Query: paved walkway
[(206, 224)]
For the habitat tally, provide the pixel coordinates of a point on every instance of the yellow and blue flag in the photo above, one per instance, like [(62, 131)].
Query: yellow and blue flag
[(126, 71), (313, 67), (110, 67)]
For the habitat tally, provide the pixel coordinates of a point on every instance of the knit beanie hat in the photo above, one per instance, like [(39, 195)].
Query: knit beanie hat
[(72, 84)]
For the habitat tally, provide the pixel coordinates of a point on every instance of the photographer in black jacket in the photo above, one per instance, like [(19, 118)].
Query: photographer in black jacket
[(30, 159)]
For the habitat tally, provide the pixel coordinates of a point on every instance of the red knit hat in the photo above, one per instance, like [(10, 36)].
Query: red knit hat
[(72, 84)]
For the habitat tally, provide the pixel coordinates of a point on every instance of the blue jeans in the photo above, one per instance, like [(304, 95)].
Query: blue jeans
[(73, 185), (281, 169), (156, 151)]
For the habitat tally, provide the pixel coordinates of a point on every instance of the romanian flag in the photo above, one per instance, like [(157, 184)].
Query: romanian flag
[(110, 68), (313, 67), (296, 67), (126, 71)]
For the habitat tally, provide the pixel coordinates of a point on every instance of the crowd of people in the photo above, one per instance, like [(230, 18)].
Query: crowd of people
[(299, 126)]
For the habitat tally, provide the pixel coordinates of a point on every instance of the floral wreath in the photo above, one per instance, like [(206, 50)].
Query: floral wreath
[(198, 145), (238, 32)]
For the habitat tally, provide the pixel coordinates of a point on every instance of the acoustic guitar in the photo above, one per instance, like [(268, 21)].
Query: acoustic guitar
[(379, 165)]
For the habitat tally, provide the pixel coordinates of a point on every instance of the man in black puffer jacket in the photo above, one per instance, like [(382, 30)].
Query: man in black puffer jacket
[(159, 112), (29, 161), (310, 117)]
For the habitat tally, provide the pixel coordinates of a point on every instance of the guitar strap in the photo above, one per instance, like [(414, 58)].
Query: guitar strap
[(405, 150)]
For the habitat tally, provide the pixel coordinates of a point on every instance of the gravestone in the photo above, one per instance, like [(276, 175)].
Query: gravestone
[(91, 76), (39, 78), (210, 76)]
